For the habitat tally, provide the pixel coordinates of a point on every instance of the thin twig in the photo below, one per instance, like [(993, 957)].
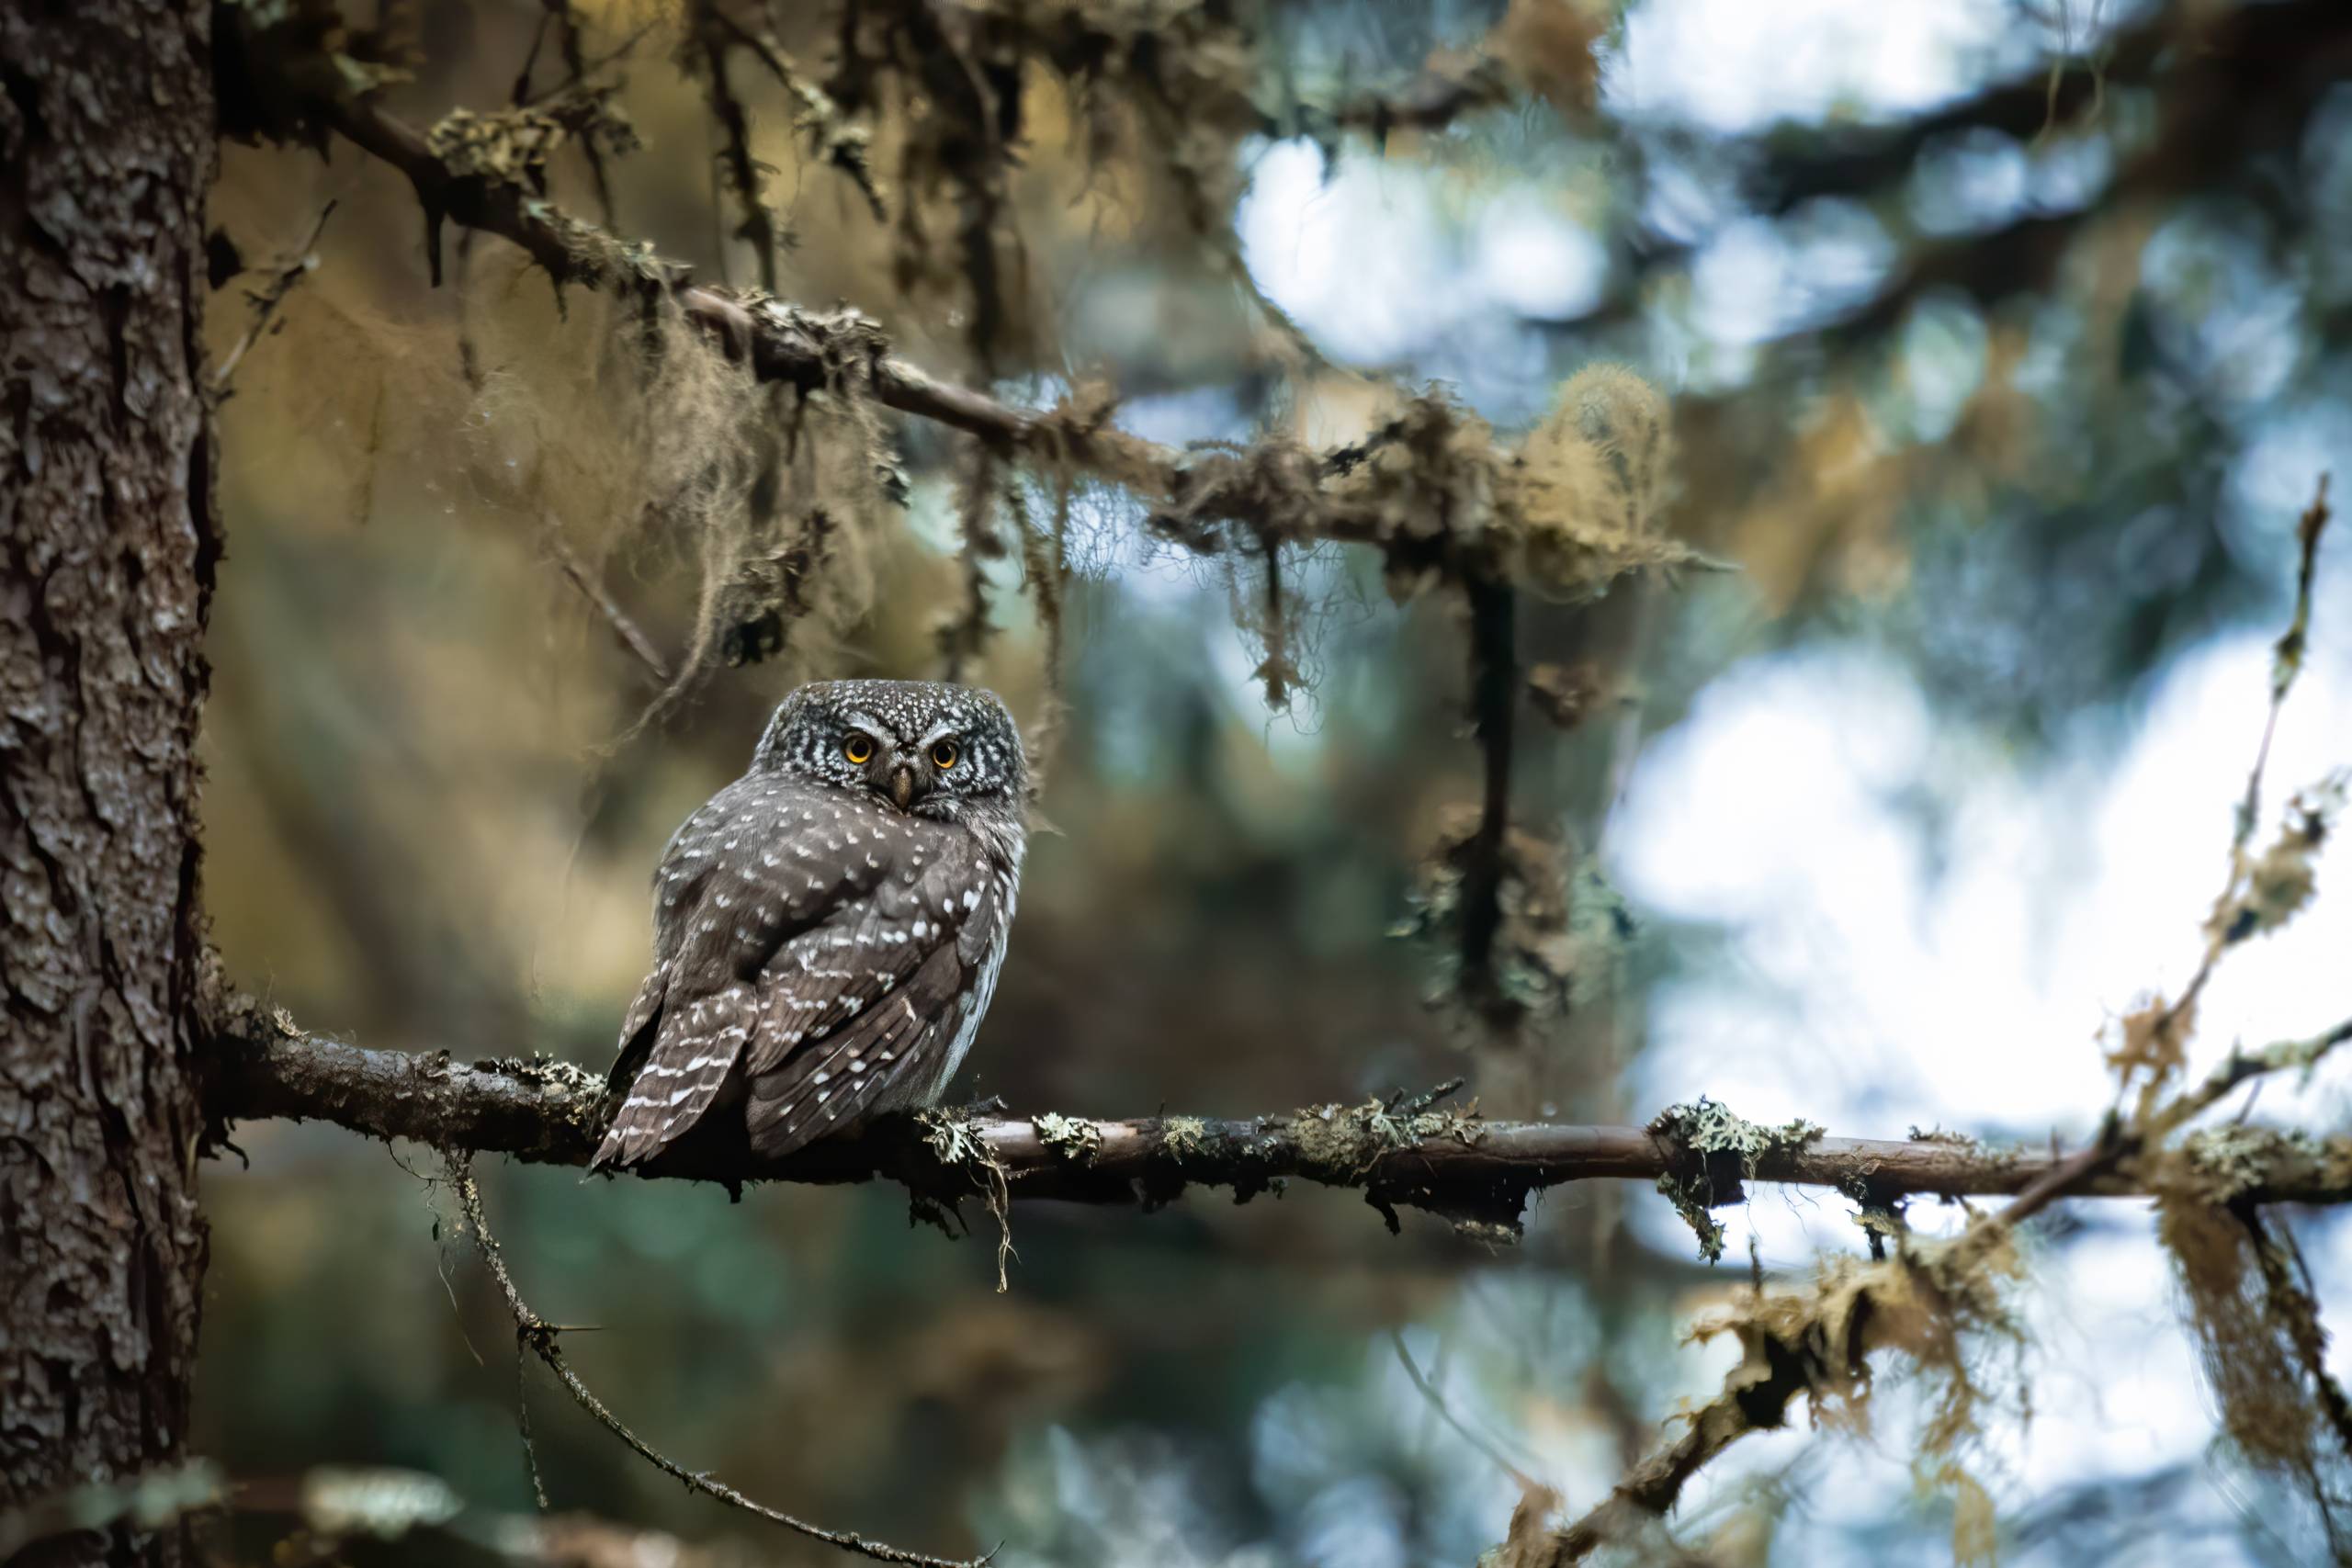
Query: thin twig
[(522, 1425), (1045, 571), (2286, 664), (2222, 930), (836, 140), (964, 636), (536, 1335), (1479, 1440), (269, 297), (2239, 1066), (1650, 1489), (625, 630)]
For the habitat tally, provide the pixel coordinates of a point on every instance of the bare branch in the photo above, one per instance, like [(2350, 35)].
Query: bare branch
[(2240, 84), (1438, 1403)]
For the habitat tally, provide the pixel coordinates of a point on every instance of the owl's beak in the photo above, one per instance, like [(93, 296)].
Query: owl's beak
[(902, 785)]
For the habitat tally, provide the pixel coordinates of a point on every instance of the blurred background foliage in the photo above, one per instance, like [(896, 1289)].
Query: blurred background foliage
[(2004, 340)]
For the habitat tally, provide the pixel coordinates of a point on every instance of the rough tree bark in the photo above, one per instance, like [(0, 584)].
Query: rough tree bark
[(106, 545)]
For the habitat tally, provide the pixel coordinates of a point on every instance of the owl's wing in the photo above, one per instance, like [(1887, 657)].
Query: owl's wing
[(837, 1080), (857, 1016), (760, 867), (924, 887), (638, 1031)]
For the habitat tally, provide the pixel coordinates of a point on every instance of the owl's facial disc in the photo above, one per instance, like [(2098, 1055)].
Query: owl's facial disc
[(925, 749), (892, 765)]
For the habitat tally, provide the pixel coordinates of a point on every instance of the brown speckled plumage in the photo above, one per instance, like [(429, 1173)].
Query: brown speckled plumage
[(827, 930)]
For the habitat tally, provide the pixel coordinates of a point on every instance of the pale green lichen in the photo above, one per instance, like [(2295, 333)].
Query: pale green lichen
[(2225, 1163), (1348, 1140), (948, 1134), (385, 1504), (1072, 1137), (1182, 1135), (1709, 1134)]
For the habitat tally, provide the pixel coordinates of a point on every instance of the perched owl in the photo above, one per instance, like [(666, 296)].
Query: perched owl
[(828, 927)]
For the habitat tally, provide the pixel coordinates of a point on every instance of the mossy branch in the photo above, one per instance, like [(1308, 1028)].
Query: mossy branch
[(1555, 523), (1476, 1173)]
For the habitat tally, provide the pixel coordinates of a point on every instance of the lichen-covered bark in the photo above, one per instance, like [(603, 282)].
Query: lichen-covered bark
[(1405, 1155), (105, 549)]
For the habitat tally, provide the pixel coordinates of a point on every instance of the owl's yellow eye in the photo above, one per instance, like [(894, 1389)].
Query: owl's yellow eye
[(858, 748), (944, 755)]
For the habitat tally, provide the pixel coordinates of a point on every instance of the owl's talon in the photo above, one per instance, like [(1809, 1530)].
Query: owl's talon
[(993, 1105)]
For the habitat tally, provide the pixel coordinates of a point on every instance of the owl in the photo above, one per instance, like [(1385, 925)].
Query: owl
[(828, 929)]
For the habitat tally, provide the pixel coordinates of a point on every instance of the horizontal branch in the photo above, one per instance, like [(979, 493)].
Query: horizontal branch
[(1474, 1172)]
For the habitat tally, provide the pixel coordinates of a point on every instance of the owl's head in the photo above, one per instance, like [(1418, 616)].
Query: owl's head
[(920, 746)]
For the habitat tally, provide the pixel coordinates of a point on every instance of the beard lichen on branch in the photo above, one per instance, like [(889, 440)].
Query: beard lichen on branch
[(2246, 1296)]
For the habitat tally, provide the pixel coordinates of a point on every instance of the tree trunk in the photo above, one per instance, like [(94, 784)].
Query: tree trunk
[(106, 546)]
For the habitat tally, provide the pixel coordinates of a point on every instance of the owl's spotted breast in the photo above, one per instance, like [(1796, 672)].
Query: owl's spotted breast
[(821, 956)]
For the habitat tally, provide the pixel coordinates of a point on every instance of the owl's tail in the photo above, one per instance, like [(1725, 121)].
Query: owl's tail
[(695, 1045)]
